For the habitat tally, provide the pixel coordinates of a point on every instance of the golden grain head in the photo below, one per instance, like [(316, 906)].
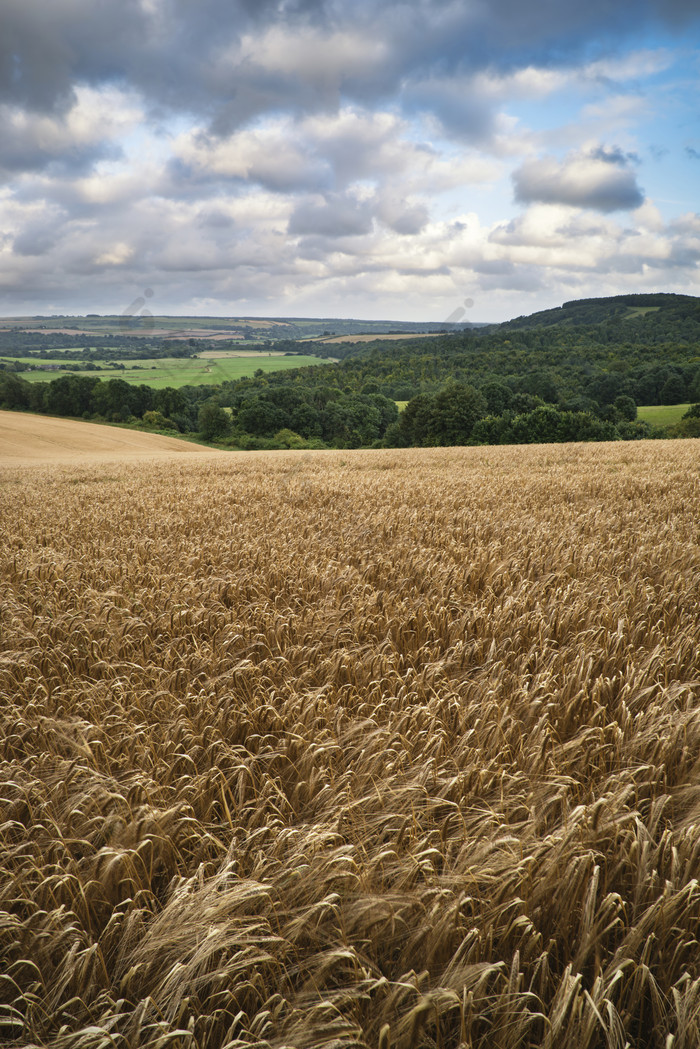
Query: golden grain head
[(383, 749)]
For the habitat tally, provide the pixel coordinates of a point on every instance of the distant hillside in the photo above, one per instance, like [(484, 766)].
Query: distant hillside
[(145, 327), (575, 373), (616, 308)]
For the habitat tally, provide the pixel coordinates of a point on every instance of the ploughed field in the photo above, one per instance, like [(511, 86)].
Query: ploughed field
[(385, 749)]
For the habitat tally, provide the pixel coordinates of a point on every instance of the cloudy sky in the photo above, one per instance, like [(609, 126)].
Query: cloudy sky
[(371, 159)]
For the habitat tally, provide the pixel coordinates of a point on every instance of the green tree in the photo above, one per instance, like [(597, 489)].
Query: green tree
[(455, 410), (414, 422), (673, 390), (213, 421), (498, 397), (626, 408)]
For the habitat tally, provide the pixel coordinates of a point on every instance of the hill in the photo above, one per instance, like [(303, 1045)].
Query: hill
[(675, 308), (26, 438), (589, 363)]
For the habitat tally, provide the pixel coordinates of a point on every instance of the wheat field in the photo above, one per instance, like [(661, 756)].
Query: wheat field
[(382, 749)]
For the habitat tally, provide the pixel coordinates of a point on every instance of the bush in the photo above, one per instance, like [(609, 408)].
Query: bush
[(157, 421), (286, 438)]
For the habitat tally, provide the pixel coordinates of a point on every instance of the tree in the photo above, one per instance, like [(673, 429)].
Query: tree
[(498, 397), (260, 417), (213, 421), (689, 426), (673, 390), (455, 410), (626, 408), (414, 422), (71, 395), (14, 392)]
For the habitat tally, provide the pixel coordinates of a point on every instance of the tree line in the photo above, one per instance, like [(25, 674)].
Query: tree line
[(510, 384)]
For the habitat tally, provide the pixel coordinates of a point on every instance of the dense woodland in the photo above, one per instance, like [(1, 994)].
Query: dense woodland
[(574, 373)]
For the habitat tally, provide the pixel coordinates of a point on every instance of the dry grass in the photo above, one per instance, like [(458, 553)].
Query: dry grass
[(392, 749)]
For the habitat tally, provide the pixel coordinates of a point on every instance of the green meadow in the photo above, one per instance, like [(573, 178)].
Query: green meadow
[(662, 414), (171, 371)]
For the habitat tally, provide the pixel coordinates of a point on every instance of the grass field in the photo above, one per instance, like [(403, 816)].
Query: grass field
[(352, 749), (173, 371), (662, 414), (640, 311)]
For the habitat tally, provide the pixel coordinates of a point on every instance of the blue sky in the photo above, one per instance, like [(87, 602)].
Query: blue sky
[(379, 160)]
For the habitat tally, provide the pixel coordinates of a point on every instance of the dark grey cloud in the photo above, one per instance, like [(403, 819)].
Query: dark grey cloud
[(338, 215), (35, 239), (209, 57), (513, 278), (408, 220), (29, 149), (581, 180), (614, 155), (462, 112), (694, 154)]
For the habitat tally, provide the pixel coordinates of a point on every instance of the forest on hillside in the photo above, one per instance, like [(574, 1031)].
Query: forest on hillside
[(579, 373)]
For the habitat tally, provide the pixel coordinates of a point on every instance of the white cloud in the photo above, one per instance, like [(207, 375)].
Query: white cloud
[(630, 66), (267, 155), (598, 179), (116, 255), (310, 53)]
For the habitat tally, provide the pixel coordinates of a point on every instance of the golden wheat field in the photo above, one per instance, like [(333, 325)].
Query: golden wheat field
[(27, 438), (381, 749)]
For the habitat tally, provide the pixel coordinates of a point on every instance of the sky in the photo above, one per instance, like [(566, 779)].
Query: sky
[(421, 160)]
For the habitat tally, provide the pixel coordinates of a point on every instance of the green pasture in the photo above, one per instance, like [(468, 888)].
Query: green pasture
[(639, 311), (662, 414), (57, 361), (171, 371)]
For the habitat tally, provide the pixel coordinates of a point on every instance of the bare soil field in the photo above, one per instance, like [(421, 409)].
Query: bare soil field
[(321, 750), (26, 438)]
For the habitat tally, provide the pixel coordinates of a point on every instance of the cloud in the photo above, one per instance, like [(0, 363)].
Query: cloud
[(337, 215), (598, 179), (288, 152), (324, 153), (267, 155), (75, 140), (229, 60)]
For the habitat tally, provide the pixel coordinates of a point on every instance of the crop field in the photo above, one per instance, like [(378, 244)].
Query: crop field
[(382, 749), (184, 371), (35, 439)]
